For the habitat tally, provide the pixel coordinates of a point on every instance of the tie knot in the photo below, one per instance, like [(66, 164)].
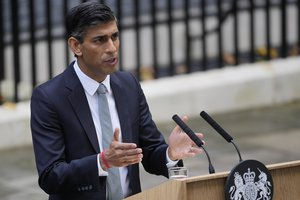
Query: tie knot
[(102, 89)]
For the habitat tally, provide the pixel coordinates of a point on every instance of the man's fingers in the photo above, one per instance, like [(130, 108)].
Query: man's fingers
[(132, 156), (200, 136), (121, 145), (129, 157), (193, 151), (132, 159), (124, 146), (196, 150), (185, 119), (117, 135), (133, 151), (123, 154)]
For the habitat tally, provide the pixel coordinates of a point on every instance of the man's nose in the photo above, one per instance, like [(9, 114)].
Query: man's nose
[(111, 46)]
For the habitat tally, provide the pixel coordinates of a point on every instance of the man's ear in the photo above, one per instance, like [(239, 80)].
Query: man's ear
[(75, 46)]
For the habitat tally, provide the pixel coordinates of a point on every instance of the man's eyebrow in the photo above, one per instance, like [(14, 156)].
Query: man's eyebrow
[(100, 36), (106, 35)]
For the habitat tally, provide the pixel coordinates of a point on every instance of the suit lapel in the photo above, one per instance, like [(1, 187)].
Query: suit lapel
[(122, 109), (80, 105)]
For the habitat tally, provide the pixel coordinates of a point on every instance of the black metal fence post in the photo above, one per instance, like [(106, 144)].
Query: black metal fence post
[(65, 37), (49, 38), (172, 67), (120, 27), (1, 44), (1, 51), (16, 46), (203, 38), (252, 31), (268, 29), (154, 38), (283, 49), (298, 24), (236, 32), (137, 38), (32, 42), (219, 34), (187, 36)]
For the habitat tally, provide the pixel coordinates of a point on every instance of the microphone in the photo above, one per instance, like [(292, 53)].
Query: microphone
[(194, 138), (220, 130)]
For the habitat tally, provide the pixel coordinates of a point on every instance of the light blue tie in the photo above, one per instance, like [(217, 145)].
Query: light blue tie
[(113, 184)]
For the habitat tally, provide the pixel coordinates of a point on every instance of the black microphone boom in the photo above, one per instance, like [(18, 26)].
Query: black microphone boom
[(194, 138), (216, 126), (220, 130)]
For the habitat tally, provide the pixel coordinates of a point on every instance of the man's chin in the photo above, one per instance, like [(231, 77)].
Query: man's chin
[(112, 69)]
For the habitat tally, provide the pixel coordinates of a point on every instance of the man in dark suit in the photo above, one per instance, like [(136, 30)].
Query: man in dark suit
[(72, 161)]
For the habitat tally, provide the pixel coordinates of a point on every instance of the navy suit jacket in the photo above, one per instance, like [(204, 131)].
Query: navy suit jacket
[(65, 141)]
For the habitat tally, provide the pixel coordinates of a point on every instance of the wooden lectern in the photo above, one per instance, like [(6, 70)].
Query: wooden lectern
[(286, 180)]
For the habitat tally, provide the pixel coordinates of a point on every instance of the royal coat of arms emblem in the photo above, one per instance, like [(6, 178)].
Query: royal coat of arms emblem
[(249, 182)]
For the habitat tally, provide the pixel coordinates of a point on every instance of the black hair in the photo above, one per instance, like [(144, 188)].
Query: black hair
[(85, 15)]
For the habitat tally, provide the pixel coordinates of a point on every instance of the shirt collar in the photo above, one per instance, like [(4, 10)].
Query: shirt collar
[(89, 84)]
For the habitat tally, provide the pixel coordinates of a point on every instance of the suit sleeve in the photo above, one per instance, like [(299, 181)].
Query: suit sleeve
[(56, 174)]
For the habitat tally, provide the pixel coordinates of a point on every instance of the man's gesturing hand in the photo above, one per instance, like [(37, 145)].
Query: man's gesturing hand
[(180, 145), (122, 154)]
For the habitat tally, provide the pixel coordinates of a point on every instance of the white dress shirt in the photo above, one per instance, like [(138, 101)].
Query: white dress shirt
[(90, 87)]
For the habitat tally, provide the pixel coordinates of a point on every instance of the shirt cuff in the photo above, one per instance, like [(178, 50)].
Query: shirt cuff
[(170, 163), (101, 172)]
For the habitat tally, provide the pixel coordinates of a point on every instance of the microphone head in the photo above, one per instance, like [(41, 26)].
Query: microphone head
[(216, 126), (175, 117), (187, 130)]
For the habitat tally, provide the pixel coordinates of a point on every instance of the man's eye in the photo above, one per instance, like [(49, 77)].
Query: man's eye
[(115, 36), (101, 39)]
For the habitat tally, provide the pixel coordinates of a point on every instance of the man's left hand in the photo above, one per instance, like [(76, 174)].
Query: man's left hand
[(180, 145)]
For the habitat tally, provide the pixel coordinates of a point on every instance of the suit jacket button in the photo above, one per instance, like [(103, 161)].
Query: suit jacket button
[(90, 187), (78, 189)]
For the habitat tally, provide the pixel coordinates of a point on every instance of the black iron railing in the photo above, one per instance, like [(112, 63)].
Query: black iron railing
[(33, 22)]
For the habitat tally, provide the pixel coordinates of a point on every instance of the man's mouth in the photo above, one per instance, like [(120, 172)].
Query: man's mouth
[(111, 61)]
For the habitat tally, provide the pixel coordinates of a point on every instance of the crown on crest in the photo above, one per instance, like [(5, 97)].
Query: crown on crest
[(249, 176)]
